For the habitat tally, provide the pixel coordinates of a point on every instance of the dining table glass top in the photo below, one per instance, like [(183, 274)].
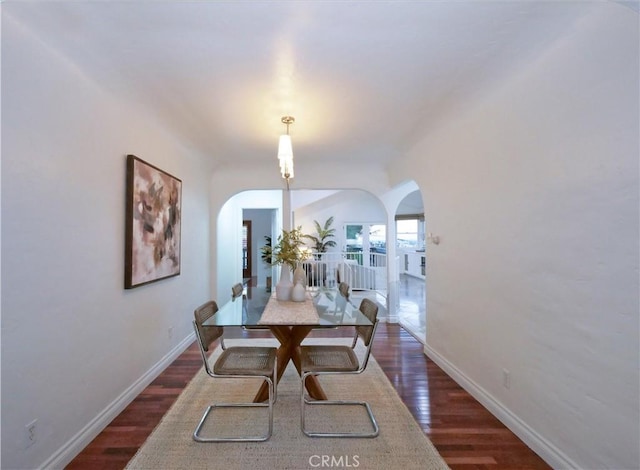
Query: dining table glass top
[(331, 307)]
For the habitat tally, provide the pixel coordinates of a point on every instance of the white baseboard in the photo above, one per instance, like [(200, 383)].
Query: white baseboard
[(545, 449), (77, 443)]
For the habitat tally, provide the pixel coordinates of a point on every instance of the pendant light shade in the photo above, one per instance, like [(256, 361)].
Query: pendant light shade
[(285, 151), (285, 156)]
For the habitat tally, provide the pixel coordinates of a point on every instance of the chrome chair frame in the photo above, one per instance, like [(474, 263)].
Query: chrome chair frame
[(270, 378), (362, 366)]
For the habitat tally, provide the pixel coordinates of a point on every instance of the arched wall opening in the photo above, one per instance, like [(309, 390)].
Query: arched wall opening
[(411, 251), (264, 208)]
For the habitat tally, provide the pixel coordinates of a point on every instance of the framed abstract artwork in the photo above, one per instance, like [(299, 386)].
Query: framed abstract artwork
[(153, 220)]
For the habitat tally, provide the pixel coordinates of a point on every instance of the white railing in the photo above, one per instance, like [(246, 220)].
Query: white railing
[(360, 272)]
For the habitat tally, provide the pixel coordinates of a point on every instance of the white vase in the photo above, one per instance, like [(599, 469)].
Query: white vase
[(298, 293), (300, 276), (284, 285)]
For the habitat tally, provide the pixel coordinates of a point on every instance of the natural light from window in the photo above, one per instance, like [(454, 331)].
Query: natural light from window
[(407, 231)]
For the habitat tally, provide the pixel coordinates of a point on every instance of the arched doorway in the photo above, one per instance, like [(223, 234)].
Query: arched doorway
[(367, 276), (410, 249)]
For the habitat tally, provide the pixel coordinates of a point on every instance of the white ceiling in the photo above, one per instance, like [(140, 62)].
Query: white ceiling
[(363, 79)]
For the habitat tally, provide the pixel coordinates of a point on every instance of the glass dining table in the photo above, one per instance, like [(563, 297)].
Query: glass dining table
[(290, 323)]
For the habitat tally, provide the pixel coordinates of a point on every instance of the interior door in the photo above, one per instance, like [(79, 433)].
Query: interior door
[(246, 249)]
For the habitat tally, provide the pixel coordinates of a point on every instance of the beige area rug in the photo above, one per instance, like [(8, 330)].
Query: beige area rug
[(400, 445)]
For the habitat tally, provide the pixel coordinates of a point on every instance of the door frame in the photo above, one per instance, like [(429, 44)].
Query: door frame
[(247, 254)]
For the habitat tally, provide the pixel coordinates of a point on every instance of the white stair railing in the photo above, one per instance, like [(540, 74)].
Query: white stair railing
[(329, 269)]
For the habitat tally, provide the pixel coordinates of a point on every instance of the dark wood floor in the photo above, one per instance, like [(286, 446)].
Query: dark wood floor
[(466, 434)]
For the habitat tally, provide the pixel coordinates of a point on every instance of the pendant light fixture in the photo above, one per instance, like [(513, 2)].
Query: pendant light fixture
[(285, 151)]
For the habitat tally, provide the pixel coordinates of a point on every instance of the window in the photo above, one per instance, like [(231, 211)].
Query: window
[(410, 233)]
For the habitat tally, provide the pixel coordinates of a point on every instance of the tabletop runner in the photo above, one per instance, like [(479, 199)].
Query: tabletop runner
[(279, 312)]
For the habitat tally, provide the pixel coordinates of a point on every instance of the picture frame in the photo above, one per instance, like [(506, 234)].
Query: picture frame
[(153, 220)]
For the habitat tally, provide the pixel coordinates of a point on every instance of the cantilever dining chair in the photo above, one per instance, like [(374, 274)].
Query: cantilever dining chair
[(343, 299), (339, 359), (236, 290), (238, 362), (343, 288)]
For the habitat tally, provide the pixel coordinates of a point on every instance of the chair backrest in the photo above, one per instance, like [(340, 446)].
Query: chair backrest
[(343, 288), (236, 291), (370, 310), (206, 334)]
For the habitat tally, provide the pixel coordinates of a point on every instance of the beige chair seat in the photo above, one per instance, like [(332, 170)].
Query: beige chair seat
[(329, 359), (240, 360)]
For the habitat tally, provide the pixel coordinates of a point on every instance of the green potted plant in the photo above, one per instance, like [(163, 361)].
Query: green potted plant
[(287, 252), (322, 239)]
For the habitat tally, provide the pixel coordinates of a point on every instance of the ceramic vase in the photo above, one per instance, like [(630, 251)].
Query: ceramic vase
[(300, 276), (298, 293), (284, 285)]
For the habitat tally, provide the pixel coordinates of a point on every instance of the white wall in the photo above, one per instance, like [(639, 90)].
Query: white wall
[(75, 345), (346, 207), (534, 193), (228, 236)]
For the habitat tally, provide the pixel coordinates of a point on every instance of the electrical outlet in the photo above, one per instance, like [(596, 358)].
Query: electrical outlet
[(30, 434), (170, 332), (506, 378)]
